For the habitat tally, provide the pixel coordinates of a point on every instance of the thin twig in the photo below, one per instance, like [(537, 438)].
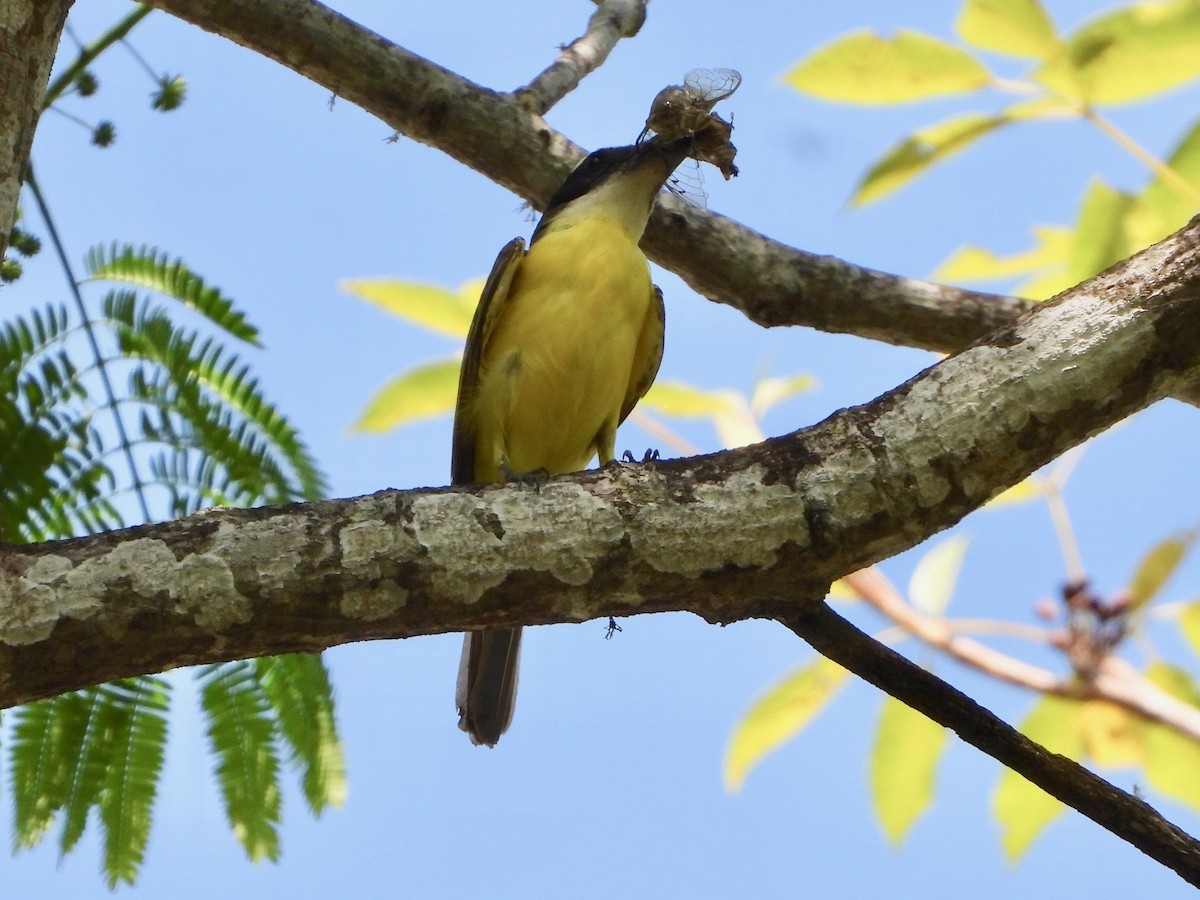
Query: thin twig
[(667, 435), (1052, 490), (1020, 630), (110, 394), (615, 19), (1124, 815), (875, 588), (1115, 681), (91, 51), (1161, 170)]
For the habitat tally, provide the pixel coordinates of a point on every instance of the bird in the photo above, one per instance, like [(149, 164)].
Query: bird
[(566, 339)]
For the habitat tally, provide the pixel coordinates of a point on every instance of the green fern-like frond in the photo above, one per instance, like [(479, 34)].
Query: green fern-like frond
[(241, 732), (192, 410), (298, 689), (192, 379), (87, 773), (43, 756), (52, 479), (148, 267), (134, 726), (100, 748), (190, 479)]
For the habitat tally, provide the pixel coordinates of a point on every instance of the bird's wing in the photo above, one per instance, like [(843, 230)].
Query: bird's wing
[(487, 314), (648, 356)]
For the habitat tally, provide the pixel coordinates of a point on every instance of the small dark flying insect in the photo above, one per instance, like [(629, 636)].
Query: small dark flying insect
[(684, 110)]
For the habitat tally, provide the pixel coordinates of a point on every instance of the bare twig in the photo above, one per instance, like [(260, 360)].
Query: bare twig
[(1053, 487), (1124, 815), (615, 19), (769, 282), (1115, 681)]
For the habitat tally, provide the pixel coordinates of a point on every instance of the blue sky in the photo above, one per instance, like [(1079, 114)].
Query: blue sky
[(609, 782)]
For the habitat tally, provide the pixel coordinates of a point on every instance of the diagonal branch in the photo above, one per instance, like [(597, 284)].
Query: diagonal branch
[(1124, 815), (613, 20), (1115, 681), (723, 536), (493, 133)]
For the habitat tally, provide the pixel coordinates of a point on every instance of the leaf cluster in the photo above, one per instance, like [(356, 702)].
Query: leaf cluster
[(430, 389), (1129, 54), (209, 437), (92, 397), (908, 748)]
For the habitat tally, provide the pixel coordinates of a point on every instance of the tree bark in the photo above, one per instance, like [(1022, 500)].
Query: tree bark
[(29, 34), (755, 532), (495, 134)]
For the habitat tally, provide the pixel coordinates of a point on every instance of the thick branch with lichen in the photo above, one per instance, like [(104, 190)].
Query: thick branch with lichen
[(728, 536), (493, 133)]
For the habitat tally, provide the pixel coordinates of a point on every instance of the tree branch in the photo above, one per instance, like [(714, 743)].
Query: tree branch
[(759, 531), (615, 19), (771, 283), (1124, 815), (724, 536), (29, 34), (493, 134), (1115, 681)]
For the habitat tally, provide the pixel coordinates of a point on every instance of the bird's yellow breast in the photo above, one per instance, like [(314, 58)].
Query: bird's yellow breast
[(555, 372)]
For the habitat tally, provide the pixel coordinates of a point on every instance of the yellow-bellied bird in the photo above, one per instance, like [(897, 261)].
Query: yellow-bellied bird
[(566, 339)]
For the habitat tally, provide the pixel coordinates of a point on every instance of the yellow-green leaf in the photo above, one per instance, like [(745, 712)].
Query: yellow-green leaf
[(427, 305), (1112, 734), (1189, 623), (737, 427), (1050, 250), (673, 398), (936, 574), (908, 747), (779, 715), (864, 67), (1100, 238), (921, 149), (769, 391), (1175, 681), (1134, 52), (1014, 27), (1022, 808), (1173, 760), (1156, 567), (427, 390), (1044, 286), (1163, 207), (839, 590), (1021, 492)]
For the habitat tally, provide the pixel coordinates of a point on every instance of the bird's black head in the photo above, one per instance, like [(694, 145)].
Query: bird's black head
[(608, 163)]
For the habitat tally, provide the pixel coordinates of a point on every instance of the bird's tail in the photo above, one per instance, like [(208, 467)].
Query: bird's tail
[(487, 683)]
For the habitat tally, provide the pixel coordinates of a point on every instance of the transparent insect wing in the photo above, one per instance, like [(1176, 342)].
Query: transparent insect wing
[(712, 85), (687, 183)]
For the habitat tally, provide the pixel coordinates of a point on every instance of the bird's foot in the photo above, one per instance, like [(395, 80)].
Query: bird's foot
[(650, 456)]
